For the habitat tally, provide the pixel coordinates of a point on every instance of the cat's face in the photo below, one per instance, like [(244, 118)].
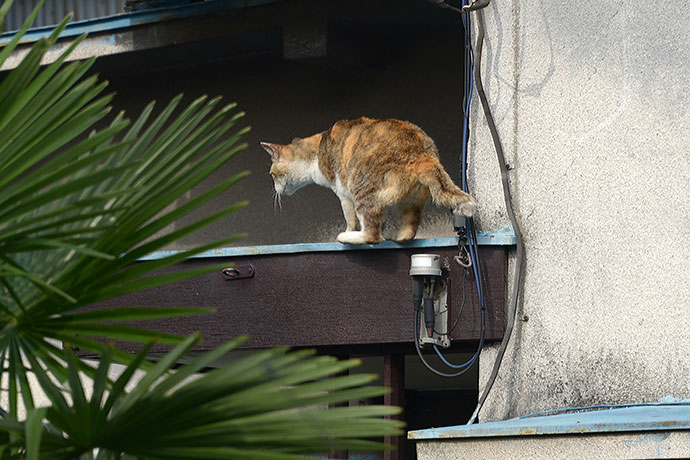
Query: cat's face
[(290, 165), (280, 166)]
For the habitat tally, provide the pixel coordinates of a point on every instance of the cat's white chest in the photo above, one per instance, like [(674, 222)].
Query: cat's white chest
[(319, 178), (340, 189), (316, 175)]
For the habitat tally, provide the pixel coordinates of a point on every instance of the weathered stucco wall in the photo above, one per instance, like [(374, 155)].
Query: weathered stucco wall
[(591, 103)]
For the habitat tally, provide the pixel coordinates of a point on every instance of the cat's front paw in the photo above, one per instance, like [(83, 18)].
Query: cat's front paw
[(356, 238), (350, 238)]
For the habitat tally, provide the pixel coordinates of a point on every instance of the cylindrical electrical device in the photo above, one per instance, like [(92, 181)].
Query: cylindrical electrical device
[(429, 296), (425, 265)]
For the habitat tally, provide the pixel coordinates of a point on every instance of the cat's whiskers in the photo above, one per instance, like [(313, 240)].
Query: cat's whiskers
[(277, 201)]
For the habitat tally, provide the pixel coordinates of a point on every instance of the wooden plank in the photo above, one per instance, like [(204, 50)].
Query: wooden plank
[(336, 453), (356, 298), (394, 378)]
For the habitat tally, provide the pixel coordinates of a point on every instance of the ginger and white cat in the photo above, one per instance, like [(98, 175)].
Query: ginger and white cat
[(371, 165)]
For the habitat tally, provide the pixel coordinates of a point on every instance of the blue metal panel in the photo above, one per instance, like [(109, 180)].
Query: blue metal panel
[(54, 11), (503, 237), (138, 18), (652, 417)]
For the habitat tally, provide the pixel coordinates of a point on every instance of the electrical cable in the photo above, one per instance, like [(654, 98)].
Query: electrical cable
[(474, 60), (466, 366), (474, 252), (415, 325), (470, 362), (467, 97), (482, 307), (469, 222), (520, 255), (605, 406)]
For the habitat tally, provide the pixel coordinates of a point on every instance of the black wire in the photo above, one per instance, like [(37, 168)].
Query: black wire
[(467, 59), (477, 6), (445, 5), (602, 406), (520, 256), (482, 308), (478, 262), (415, 325), (472, 237), (467, 90)]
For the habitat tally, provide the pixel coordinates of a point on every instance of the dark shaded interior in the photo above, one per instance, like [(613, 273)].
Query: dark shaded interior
[(384, 59)]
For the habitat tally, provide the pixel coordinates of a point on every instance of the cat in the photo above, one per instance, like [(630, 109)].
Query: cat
[(371, 164)]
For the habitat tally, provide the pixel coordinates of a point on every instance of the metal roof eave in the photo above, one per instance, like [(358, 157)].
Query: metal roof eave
[(137, 18)]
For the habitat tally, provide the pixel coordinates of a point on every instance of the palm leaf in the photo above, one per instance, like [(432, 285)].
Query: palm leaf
[(69, 215), (161, 417), (79, 207)]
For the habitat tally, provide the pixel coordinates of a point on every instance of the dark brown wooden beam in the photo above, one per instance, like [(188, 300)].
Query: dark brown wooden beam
[(336, 300)]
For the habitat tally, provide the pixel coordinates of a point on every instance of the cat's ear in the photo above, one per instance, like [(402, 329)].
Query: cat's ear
[(272, 149), (296, 139)]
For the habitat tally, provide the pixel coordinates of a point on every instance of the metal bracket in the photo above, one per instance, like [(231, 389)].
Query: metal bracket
[(238, 272), (440, 321)]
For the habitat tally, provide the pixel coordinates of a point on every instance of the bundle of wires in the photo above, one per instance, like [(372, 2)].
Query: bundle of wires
[(473, 75), (469, 224)]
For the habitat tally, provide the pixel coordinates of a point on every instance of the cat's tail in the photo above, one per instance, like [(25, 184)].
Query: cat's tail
[(444, 192)]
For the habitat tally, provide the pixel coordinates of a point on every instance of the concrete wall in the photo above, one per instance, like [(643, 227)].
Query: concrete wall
[(591, 103)]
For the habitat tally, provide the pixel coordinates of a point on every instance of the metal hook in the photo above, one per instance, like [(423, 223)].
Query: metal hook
[(463, 259), (239, 272)]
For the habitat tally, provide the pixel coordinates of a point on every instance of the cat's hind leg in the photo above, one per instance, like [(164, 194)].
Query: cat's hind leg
[(411, 213), (411, 216)]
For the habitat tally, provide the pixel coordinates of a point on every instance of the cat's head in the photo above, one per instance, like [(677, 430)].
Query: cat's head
[(290, 165)]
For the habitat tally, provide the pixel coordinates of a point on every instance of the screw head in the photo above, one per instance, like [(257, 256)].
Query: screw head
[(231, 272)]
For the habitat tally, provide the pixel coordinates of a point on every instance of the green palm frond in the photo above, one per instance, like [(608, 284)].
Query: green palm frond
[(79, 206), (271, 405), (81, 202)]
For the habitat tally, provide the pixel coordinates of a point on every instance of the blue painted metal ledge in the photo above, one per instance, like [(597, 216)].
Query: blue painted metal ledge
[(503, 237), (648, 417)]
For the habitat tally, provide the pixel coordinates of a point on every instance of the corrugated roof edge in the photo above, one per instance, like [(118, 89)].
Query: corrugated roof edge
[(642, 418), (138, 18)]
